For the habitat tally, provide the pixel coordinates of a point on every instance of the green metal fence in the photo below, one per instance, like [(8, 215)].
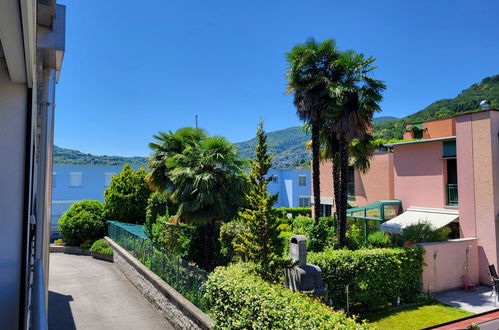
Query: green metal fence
[(452, 197), (186, 278)]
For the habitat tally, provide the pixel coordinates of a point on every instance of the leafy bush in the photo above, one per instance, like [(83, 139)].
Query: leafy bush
[(355, 238), (157, 206), (127, 195), (302, 225), (169, 234), (375, 278), (82, 221), (59, 241), (87, 243), (282, 212), (229, 235), (379, 239), (423, 232), (101, 246), (241, 300), (319, 235)]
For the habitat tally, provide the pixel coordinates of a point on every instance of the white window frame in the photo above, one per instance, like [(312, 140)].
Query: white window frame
[(304, 177), (73, 176), (303, 197)]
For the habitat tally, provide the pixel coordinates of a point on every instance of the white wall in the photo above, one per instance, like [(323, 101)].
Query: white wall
[(13, 110)]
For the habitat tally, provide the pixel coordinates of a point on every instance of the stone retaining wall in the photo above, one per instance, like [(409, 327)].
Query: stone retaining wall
[(180, 312)]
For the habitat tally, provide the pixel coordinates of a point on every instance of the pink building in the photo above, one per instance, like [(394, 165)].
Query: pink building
[(450, 174)]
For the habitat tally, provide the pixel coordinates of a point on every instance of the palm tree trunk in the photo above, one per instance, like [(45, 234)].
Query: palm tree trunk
[(315, 170), (208, 245), (337, 195), (342, 212)]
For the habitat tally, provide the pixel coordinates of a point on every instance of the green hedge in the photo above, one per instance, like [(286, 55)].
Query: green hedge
[(281, 212), (241, 300), (101, 246), (376, 277)]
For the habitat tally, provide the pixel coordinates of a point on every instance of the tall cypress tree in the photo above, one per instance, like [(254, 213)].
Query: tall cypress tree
[(261, 243)]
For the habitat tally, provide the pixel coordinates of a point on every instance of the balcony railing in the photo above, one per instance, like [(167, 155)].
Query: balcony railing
[(452, 197)]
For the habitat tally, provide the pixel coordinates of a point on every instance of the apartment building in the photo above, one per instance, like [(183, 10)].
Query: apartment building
[(32, 42), (293, 187), (447, 171)]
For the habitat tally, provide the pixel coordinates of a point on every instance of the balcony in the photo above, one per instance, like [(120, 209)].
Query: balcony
[(452, 197)]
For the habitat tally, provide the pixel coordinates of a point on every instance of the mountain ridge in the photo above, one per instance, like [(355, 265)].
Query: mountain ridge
[(288, 145)]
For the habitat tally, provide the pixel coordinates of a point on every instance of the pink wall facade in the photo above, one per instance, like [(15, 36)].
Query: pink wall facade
[(419, 174), (377, 184), (445, 263), (478, 158)]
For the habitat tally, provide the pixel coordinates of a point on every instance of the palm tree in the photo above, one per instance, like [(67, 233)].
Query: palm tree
[(209, 184), (168, 145), (312, 70), (353, 100)]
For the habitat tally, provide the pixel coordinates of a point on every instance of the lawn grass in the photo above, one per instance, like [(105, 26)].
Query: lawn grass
[(415, 317)]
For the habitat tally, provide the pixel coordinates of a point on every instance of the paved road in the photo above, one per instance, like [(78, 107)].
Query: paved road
[(85, 293)]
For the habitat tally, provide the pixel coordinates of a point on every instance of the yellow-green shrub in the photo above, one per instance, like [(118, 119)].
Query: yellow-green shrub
[(241, 300)]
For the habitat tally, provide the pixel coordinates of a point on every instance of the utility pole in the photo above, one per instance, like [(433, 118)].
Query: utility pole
[(196, 120)]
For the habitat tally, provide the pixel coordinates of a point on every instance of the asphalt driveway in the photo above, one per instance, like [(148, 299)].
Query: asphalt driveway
[(85, 293)]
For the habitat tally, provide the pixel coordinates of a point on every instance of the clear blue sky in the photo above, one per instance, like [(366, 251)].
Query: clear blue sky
[(133, 68)]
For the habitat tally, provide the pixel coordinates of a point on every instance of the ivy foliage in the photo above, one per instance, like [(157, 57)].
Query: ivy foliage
[(157, 206), (83, 221), (239, 299), (127, 195), (375, 277)]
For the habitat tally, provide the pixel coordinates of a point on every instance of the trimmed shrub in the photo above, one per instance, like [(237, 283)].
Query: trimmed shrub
[(127, 195), (375, 278), (101, 246), (83, 221), (379, 240), (282, 212), (241, 300)]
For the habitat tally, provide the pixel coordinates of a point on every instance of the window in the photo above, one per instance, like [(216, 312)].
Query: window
[(304, 201), (275, 179), (418, 134), (302, 180), (326, 210), (54, 180), (75, 179), (351, 182), (107, 178), (449, 149)]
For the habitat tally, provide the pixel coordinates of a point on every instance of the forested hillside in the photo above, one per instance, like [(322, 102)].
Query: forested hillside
[(468, 100)]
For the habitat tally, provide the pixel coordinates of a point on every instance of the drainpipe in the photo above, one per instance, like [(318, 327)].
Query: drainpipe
[(44, 164)]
